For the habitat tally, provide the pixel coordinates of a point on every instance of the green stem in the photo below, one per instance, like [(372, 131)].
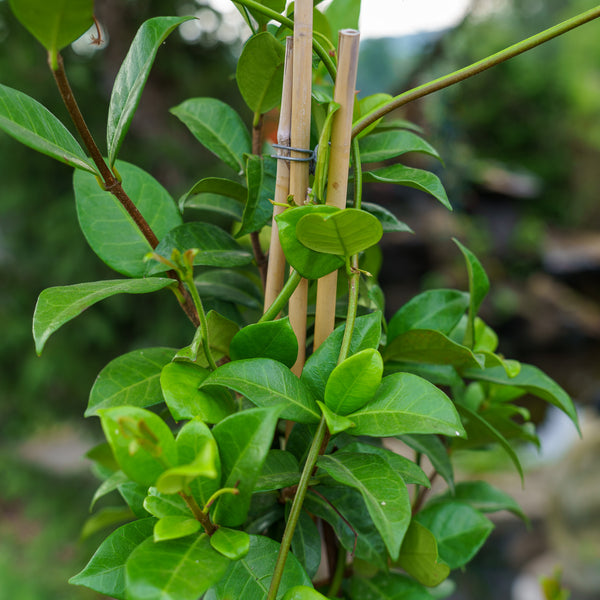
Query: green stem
[(476, 68), (290, 527), (204, 519), (203, 322), (288, 289), (338, 575)]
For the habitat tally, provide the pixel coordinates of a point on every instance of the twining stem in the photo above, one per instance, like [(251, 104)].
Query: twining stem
[(282, 298), (476, 68)]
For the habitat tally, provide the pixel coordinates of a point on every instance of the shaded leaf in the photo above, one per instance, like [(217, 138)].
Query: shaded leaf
[(261, 172), (384, 145), (280, 470), (228, 285), (306, 545), (436, 452), (387, 586), (389, 222)]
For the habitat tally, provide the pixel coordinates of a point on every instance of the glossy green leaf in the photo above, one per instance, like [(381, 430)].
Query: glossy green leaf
[(261, 172), (266, 382), (259, 73), (166, 505), (406, 403), (32, 124), (183, 569), (232, 543), (180, 382), (342, 14), (172, 528), (382, 489), (280, 470), (343, 233), (308, 263), (306, 544), (229, 285), (532, 380), (388, 586), (272, 339), (354, 382), (141, 441), (335, 423), (216, 247), (432, 447), (132, 76), (302, 592), (419, 556), (250, 577), (407, 176), (434, 309), (459, 529), (384, 145), (430, 347), (218, 128), (132, 379), (54, 24), (318, 367), (389, 222), (105, 573), (134, 494), (58, 305), (108, 228), (244, 440)]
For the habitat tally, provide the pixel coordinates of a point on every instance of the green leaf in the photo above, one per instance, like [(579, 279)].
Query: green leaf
[(335, 423), (132, 379), (343, 233), (106, 517), (306, 544), (368, 105), (54, 24), (134, 494), (342, 14), (110, 231), (261, 172), (436, 452), (389, 221), (409, 177), (172, 528), (105, 573), (132, 76), (419, 556), (266, 382), (459, 529), (218, 195), (217, 248), (354, 382), (406, 403), (259, 73), (387, 586), (229, 285), (141, 441), (32, 124), (382, 489), (302, 592), (165, 505), (310, 264), (532, 380), (108, 485), (232, 543), (280, 470), (218, 128), (430, 347), (272, 339), (183, 569), (180, 382), (244, 440), (318, 367), (58, 305), (382, 146), (434, 309)]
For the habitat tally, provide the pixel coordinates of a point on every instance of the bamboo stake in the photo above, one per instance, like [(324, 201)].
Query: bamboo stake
[(276, 267), (300, 136), (339, 159)]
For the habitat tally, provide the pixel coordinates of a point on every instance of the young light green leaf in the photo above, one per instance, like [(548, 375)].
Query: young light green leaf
[(302, 592), (459, 529), (132, 379), (58, 305), (175, 527), (216, 247), (132, 76), (259, 73), (272, 339), (244, 440), (184, 569), (388, 586), (409, 177), (32, 124), (166, 505), (335, 423), (343, 233), (105, 573), (266, 382), (382, 489), (232, 543), (384, 145), (218, 128), (110, 231), (406, 403), (354, 382)]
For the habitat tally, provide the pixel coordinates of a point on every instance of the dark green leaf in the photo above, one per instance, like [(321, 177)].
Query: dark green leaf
[(108, 485), (387, 586), (58, 305), (214, 194), (218, 128), (131, 78), (232, 543), (382, 146), (134, 495), (306, 544), (105, 573), (110, 231), (105, 518), (432, 447), (32, 124), (389, 221), (414, 178), (280, 470), (229, 285), (261, 172), (175, 527)]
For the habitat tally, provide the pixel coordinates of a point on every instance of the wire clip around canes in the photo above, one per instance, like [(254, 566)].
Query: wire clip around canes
[(311, 158)]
